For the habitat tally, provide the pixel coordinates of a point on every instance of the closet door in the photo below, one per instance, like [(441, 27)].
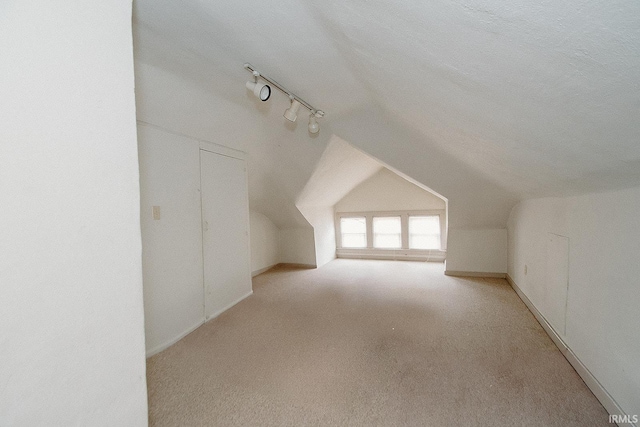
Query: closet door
[(225, 232)]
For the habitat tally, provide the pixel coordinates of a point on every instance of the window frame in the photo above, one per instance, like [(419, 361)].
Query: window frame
[(339, 228), (409, 230), (373, 237), (404, 224)]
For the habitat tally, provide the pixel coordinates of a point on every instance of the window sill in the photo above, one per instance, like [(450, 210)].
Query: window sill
[(393, 254)]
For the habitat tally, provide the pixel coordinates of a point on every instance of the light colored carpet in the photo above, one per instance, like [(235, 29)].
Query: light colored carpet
[(364, 343)]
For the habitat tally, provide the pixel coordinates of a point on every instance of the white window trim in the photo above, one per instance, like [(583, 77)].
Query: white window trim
[(404, 253), (339, 225), (402, 231)]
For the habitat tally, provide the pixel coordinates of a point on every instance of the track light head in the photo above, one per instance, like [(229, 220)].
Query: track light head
[(262, 92), (314, 127), (291, 113)]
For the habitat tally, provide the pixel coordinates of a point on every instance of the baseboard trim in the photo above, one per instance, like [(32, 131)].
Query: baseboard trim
[(296, 265), (474, 274), (167, 344), (262, 270), (172, 341), (589, 379), (227, 307)]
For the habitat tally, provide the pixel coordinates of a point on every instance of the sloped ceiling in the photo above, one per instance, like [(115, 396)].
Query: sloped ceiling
[(535, 98), (340, 169)]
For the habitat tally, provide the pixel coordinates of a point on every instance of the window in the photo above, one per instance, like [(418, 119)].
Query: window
[(416, 235), (353, 232), (424, 232), (387, 232)]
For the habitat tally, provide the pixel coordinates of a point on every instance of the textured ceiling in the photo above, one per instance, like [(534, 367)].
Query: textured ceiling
[(543, 97), (537, 98)]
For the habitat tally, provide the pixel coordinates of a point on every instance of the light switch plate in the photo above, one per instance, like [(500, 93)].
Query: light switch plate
[(156, 212)]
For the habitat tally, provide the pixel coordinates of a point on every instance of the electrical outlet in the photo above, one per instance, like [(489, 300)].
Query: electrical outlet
[(155, 210), (525, 269)]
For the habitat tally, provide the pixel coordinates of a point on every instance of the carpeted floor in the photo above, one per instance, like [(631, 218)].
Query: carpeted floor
[(370, 343)]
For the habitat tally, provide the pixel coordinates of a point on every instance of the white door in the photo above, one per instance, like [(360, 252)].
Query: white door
[(225, 232)]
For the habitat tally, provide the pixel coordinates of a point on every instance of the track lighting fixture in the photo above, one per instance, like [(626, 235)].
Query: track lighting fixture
[(291, 113), (263, 92), (314, 127)]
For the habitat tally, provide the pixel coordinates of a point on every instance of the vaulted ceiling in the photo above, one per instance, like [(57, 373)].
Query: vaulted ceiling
[(530, 98)]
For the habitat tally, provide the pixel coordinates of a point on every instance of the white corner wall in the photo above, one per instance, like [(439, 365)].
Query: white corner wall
[(297, 246), (72, 332), (477, 251), (603, 290), (324, 234), (265, 243)]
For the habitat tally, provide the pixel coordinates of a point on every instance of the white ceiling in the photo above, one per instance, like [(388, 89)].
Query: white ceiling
[(536, 98)]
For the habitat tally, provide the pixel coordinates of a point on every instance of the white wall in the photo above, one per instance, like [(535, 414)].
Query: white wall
[(386, 191), (324, 234), (171, 245), (265, 242), (481, 251), (297, 246), (72, 333), (603, 291)]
